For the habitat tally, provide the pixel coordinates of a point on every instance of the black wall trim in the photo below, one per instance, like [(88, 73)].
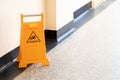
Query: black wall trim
[(55, 35), (51, 34), (82, 9), (10, 56), (65, 28)]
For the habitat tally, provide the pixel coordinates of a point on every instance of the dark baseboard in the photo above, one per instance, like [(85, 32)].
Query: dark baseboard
[(58, 35), (83, 9), (9, 57), (51, 34), (65, 31)]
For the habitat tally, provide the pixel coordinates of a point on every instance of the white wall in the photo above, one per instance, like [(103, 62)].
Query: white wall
[(80, 3), (58, 13), (65, 9), (50, 14), (10, 21), (63, 13)]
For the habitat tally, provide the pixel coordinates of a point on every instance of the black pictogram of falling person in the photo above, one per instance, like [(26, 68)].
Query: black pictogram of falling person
[(33, 38)]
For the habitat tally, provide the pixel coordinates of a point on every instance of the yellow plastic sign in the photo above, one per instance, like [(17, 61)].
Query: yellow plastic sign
[(32, 43)]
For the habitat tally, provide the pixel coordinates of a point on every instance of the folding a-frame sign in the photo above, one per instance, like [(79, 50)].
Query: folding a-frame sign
[(32, 42)]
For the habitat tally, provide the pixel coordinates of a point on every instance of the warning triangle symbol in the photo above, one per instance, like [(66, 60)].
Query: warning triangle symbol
[(33, 38)]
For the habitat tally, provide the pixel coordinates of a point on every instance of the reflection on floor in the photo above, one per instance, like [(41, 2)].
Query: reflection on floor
[(13, 71)]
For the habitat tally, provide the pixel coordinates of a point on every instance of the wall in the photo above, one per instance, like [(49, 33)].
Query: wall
[(64, 12), (10, 21), (65, 9), (50, 14), (60, 12)]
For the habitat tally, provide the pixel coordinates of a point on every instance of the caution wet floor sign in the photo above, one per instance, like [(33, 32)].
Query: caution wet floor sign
[(33, 38), (32, 43)]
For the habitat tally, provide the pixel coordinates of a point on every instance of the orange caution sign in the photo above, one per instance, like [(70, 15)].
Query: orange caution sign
[(32, 43)]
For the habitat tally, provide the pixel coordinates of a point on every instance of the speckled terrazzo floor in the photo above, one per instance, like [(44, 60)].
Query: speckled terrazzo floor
[(90, 53)]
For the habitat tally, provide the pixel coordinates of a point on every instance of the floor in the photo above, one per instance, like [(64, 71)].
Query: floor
[(89, 57)]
